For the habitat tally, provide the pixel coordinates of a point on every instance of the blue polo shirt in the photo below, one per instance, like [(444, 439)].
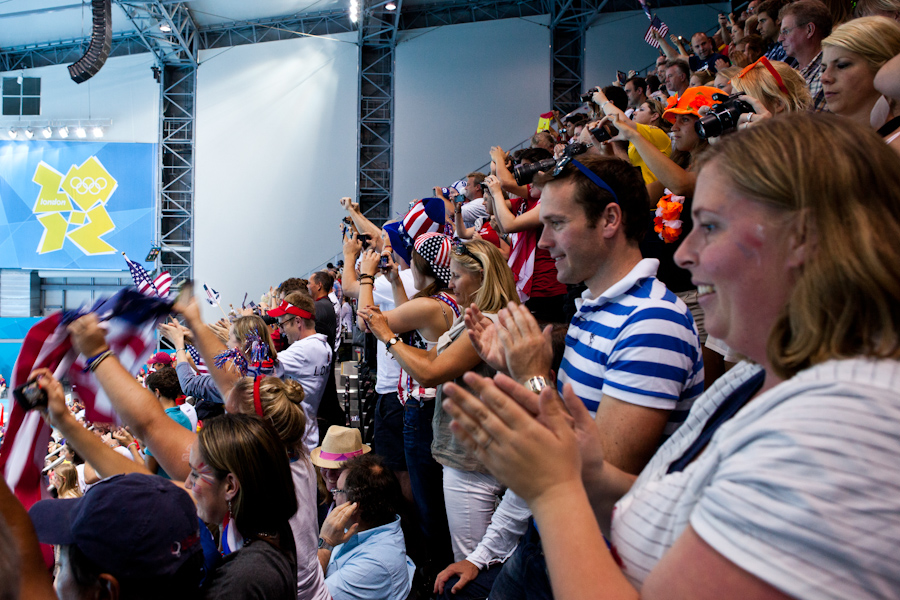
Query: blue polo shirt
[(371, 565)]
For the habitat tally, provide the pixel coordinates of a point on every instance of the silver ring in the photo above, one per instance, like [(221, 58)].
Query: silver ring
[(749, 117), (490, 441)]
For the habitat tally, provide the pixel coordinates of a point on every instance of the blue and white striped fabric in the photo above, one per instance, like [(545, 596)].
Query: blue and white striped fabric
[(636, 342)]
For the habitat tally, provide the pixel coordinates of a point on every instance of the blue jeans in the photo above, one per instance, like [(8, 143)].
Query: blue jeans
[(477, 589), (524, 575), (426, 480)]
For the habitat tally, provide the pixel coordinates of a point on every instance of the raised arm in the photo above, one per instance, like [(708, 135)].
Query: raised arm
[(209, 345), (352, 248), (427, 367), (136, 406), (507, 180), (363, 225), (509, 222), (672, 176)]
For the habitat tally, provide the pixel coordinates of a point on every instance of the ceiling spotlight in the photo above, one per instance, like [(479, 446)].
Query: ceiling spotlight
[(63, 132), (13, 133), (165, 28), (97, 132), (390, 6), (47, 132), (80, 132), (29, 133)]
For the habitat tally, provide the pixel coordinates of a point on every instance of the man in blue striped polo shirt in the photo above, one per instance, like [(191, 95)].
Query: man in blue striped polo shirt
[(632, 351)]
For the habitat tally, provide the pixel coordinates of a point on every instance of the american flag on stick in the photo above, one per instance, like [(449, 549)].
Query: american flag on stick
[(151, 287), (662, 28), (131, 319)]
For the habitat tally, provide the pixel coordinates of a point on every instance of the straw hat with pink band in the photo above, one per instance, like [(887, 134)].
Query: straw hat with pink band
[(340, 445)]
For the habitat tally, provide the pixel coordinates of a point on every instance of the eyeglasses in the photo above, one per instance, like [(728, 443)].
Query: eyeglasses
[(284, 323), (336, 491), (460, 249), (786, 32)]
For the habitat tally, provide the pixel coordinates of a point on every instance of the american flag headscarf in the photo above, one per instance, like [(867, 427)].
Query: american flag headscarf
[(131, 319), (436, 249)]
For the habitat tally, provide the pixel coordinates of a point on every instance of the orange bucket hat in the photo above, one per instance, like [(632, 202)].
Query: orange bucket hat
[(690, 102)]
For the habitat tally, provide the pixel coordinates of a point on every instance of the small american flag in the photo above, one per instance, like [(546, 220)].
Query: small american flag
[(212, 296), (202, 369), (646, 8), (661, 27), (131, 319), (151, 287)]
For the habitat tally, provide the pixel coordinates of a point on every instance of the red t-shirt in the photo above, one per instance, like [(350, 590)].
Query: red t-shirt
[(544, 282)]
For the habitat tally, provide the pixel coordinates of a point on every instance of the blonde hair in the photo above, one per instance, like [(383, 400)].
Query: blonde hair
[(703, 77), (876, 39), (761, 84), (69, 475), (870, 8), (242, 328), (280, 401), (839, 177), (497, 285)]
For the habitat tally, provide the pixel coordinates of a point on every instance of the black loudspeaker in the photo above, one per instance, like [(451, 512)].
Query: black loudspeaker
[(101, 42)]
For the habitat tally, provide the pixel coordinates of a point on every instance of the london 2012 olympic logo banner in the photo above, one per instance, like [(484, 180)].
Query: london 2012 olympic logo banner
[(86, 202)]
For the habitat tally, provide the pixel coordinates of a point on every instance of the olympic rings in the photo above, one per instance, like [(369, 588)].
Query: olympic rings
[(88, 185)]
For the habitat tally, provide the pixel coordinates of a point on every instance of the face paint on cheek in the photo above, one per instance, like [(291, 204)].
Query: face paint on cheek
[(205, 473)]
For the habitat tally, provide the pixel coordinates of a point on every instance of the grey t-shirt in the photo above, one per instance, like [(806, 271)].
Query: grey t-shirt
[(258, 570)]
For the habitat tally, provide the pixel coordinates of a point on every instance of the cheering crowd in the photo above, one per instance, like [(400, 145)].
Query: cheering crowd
[(653, 355)]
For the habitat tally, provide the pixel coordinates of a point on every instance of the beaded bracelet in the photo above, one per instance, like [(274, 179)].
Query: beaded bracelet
[(94, 361)]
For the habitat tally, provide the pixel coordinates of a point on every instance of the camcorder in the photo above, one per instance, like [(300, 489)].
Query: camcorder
[(723, 117), (524, 174)]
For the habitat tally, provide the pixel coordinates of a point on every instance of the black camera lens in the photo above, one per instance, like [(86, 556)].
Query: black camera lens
[(524, 174)]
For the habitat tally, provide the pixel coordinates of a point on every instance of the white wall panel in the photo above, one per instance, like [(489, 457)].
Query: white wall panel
[(276, 149), (123, 90), (461, 89)]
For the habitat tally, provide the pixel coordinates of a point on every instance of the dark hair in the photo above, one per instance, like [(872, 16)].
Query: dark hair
[(184, 584), (771, 7), (375, 487), (638, 82), (756, 42), (652, 83), (425, 268), (617, 96), (325, 279), (532, 154), (577, 119), (249, 448), (625, 180), (294, 284), (166, 381)]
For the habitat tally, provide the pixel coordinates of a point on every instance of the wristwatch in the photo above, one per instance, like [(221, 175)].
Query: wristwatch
[(323, 545), (536, 384), (393, 341)]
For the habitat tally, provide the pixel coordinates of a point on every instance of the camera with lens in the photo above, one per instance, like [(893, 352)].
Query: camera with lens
[(723, 117), (524, 174), (588, 96), (604, 132)]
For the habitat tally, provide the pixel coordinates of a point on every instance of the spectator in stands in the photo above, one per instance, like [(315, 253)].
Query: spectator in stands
[(699, 78), (724, 77), (716, 499), (64, 478), (888, 83), (772, 88), (655, 135), (307, 359), (292, 284), (543, 139), (678, 75), (160, 360), (339, 445), (804, 24), (769, 28), (483, 228), (479, 275), (705, 55), (164, 385), (473, 205), (852, 55), (532, 267), (878, 8), (636, 90), (320, 285), (361, 546)]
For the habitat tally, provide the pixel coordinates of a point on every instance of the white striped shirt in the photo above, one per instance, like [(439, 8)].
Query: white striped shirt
[(801, 487), (636, 342)]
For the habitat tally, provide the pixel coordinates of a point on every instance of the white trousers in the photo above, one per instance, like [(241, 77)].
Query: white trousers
[(471, 499)]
